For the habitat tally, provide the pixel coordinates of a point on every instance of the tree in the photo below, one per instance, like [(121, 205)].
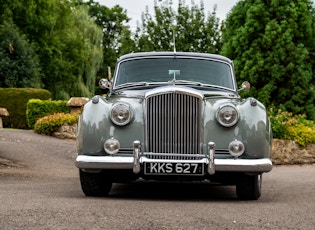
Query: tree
[(192, 29), (75, 54), (270, 43), (66, 40), (116, 34), (19, 64)]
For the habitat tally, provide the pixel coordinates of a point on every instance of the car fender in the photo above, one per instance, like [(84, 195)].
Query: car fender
[(95, 126), (253, 127)]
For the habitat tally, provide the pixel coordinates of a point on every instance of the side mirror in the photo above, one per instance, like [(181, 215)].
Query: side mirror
[(245, 86), (105, 84)]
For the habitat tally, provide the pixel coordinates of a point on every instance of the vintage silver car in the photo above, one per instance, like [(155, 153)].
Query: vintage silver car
[(173, 116)]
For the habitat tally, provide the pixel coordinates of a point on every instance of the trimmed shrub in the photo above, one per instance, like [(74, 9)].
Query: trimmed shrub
[(48, 124), (297, 128), (15, 101), (38, 108)]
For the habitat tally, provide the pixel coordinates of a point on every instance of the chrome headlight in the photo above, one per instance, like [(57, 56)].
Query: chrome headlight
[(121, 114), (227, 115)]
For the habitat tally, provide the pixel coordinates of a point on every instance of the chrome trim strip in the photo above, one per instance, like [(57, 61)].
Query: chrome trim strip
[(104, 162), (173, 154), (174, 89), (224, 165), (211, 150), (136, 153), (147, 160), (243, 165)]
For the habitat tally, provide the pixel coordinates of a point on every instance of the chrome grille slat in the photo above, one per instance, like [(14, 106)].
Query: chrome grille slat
[(173, 125)]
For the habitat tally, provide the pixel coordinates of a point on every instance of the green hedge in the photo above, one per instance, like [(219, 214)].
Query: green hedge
[(15, 101), (48, 124), (38, 108), (286, 126)]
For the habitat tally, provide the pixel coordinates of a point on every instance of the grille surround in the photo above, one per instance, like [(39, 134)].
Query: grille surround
[(173, 123)]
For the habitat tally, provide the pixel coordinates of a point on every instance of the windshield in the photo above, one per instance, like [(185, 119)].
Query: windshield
[(168, 69)]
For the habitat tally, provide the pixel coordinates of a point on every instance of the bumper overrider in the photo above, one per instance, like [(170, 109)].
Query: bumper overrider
[(138, 159)]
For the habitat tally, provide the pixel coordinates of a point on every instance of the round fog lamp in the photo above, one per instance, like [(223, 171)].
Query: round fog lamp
[(111, 146), (236, 148)]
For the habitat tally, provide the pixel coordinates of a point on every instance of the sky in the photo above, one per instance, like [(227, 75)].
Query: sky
[(136, 7)]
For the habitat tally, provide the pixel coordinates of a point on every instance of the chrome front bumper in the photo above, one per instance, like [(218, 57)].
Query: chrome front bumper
[(136, 161)]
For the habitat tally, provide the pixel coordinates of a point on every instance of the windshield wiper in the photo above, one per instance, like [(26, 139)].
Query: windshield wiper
[(137, 84), (185, 82), (130, 84), (196, 83)]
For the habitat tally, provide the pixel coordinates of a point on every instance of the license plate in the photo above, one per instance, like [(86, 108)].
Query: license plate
[(152, 168)]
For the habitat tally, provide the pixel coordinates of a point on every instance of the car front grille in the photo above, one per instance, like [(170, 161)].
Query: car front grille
[(173, 125)]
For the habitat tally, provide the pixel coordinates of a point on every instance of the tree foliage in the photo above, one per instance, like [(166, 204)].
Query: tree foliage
[(66, 41), (19, 64), (192, 29), (116, 34), (271, 43), (75, 54)]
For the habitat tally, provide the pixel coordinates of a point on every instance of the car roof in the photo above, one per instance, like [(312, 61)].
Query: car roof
[(177, 54)]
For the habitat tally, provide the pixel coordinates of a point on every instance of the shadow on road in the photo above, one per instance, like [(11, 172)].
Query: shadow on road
[(173, 191)]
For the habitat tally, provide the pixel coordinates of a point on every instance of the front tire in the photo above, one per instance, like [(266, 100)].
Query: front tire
[(94, 184), (249, 187)]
